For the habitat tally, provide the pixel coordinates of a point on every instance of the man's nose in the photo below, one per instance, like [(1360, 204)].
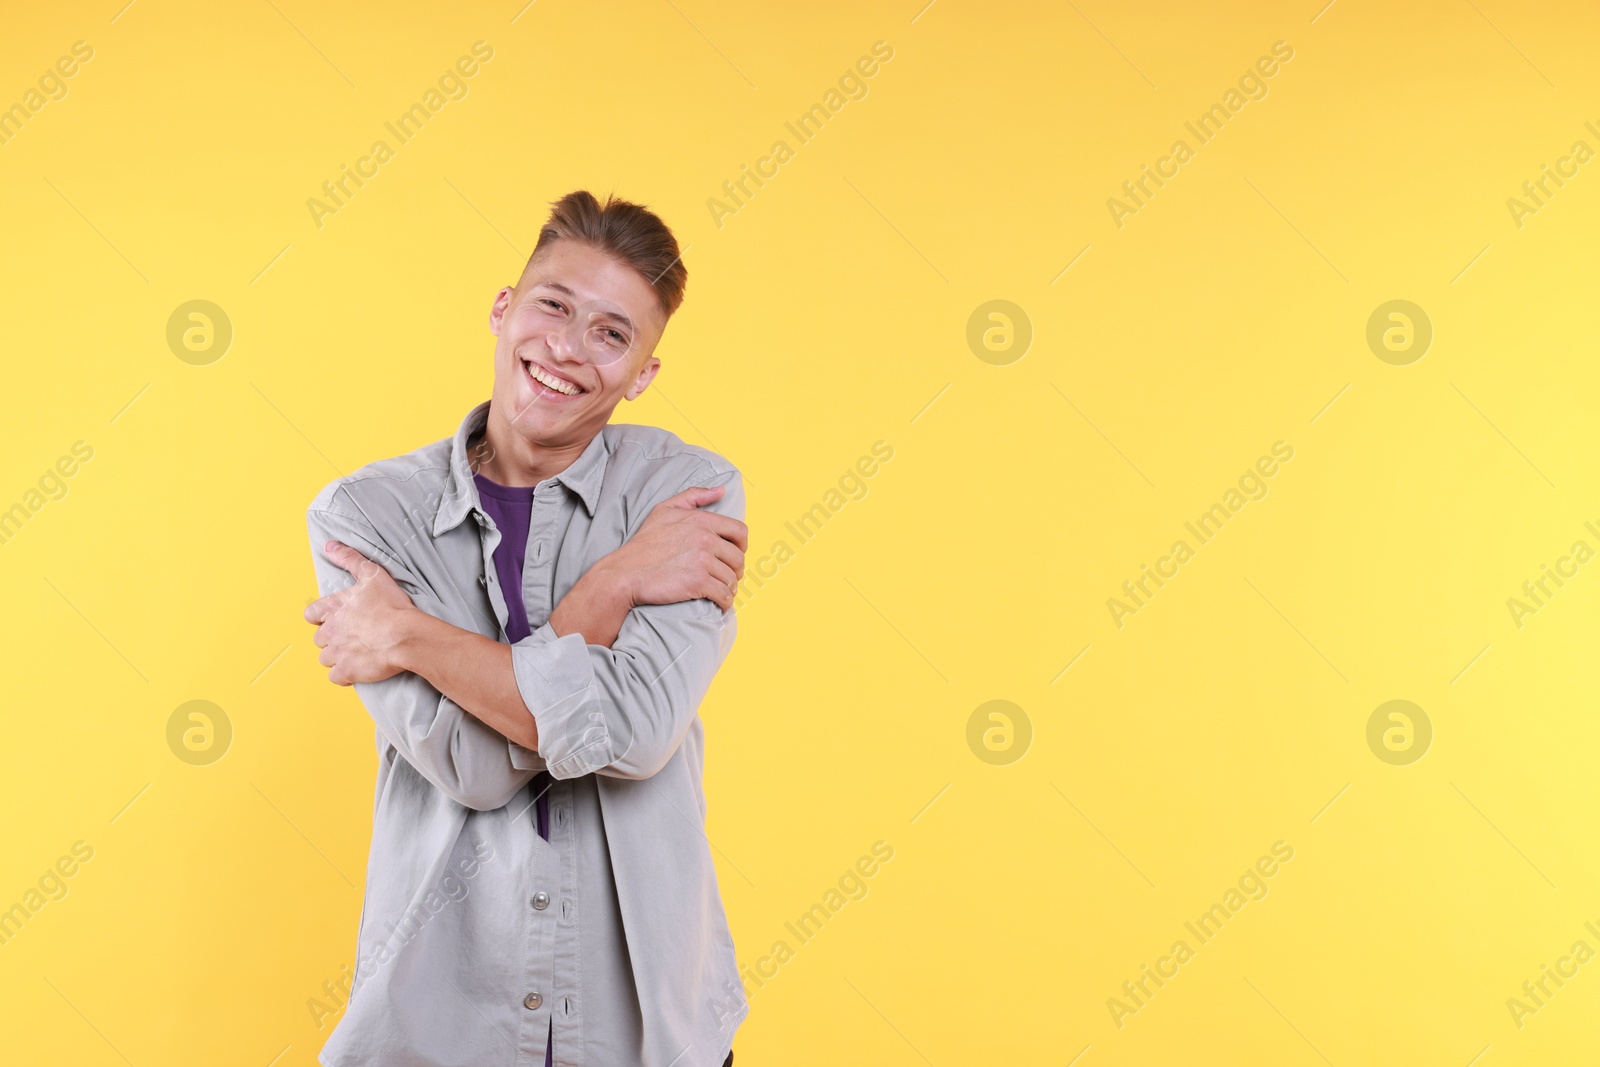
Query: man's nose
[(566, 342), (576, 341)]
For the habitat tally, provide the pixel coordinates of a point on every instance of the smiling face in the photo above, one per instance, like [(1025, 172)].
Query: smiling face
[(576, 335)]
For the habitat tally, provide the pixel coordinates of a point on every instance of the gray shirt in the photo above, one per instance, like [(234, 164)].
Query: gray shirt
[(476, 935)]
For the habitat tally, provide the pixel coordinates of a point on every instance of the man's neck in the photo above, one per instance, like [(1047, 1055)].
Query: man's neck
[(505, 457)]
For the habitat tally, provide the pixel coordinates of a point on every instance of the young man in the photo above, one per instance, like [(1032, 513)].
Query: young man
[(531, 612)]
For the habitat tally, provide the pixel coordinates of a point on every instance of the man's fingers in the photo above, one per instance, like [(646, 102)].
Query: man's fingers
[(321, 610), (342, 555), (720, 584), (718, 594), (694, 497), (725, 526), (721, 573), (729, 556)]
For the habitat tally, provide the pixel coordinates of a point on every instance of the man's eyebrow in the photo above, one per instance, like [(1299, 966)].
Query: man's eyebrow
[(615, 316)]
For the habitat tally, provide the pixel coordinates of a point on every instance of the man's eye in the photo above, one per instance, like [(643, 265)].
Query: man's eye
[(551, 303), (617, 337)]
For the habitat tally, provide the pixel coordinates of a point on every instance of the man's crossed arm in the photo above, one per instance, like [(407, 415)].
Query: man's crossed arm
[(674, 580)]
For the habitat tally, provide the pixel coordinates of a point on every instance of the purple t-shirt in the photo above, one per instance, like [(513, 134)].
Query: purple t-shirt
[(511, 508)]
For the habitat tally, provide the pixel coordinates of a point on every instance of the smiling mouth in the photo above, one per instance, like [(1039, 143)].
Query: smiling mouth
[(551, 381)]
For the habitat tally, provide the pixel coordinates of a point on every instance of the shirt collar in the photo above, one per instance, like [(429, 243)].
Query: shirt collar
[(582, 477)]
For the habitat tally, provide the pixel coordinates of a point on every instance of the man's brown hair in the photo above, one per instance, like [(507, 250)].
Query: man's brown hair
[(627, 231)]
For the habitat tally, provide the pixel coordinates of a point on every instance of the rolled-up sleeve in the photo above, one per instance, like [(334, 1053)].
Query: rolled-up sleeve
[(468, 761), (623, 711)]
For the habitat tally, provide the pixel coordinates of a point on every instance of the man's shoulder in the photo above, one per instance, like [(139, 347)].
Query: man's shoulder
[(648, 454), (647, 465), (402, 482)]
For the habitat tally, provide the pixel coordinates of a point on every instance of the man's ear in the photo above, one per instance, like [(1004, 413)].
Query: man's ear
[(642, 382), (497, 310)]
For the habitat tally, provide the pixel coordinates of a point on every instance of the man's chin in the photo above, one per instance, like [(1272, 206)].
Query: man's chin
[(542, 424), (535, 426)]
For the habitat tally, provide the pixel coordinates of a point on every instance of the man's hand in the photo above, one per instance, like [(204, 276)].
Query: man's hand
[(683, 553), (360, 629), (680, 553)]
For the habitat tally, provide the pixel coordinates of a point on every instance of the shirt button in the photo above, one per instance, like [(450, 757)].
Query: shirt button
[(532, 1001), (541, 901)]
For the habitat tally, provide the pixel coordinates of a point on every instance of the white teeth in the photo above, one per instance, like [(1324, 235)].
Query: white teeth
[(551, 382)]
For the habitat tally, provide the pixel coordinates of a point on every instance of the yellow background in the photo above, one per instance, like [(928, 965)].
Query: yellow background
[(825, 315)]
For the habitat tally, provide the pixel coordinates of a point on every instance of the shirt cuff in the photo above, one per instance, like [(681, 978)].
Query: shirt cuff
[(525, 759), (557, 683)]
